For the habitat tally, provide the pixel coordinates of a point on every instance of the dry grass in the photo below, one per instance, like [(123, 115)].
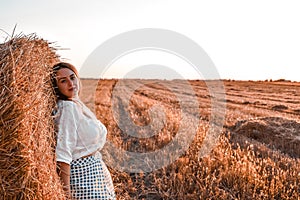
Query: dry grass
[(257, 156), (27, 164)]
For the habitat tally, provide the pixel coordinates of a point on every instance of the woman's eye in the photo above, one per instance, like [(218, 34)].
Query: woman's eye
[(62, 81)]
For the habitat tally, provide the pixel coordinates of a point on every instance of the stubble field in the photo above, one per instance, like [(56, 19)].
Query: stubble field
[(257, 154)]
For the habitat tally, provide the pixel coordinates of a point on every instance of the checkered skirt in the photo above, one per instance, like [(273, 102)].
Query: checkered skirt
[(90, 179)]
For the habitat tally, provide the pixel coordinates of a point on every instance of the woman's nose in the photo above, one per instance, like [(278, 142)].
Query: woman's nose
[(70, 82)]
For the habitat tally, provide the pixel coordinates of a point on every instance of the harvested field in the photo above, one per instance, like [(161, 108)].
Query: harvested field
[(256, 157)]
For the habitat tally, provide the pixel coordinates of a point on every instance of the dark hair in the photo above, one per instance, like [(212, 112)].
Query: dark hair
[(57, 67)]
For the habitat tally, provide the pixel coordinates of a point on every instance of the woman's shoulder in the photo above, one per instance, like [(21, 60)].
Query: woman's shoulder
[(65, 104), (68, 109)]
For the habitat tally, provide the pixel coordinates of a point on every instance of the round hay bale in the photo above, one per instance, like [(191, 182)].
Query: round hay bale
[(27, 157), (275, 132)]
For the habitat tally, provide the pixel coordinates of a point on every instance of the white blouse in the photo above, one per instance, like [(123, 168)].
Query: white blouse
[(80, 133)]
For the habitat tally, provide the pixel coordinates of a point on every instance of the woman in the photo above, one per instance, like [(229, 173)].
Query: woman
[(80, 136)]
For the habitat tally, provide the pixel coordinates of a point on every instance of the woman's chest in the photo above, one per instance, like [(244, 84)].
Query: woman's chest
[(88, 128)]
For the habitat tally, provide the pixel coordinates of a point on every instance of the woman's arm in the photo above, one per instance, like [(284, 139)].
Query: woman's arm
[(64, 174)]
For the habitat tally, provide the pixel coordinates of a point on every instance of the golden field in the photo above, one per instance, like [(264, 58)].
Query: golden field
[(256, 155)]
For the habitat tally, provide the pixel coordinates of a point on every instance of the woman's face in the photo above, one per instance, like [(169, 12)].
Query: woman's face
[(67, 82)]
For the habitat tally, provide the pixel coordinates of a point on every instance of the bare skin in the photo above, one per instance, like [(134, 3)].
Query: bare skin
[(67, 82), (64, 173)]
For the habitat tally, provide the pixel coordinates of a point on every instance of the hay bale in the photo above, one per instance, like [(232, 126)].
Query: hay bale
[(275, 133), (27, 158)]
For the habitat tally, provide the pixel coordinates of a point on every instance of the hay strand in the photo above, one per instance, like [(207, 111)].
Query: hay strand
[(27, 159)]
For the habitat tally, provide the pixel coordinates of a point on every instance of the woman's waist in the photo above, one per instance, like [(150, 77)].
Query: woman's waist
[(87, 160), (91, 154), (86, 153)]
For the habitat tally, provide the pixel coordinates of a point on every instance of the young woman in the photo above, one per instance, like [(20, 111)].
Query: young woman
[(80, 136)]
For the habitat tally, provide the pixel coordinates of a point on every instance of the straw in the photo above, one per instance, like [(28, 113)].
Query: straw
[(27, 158)]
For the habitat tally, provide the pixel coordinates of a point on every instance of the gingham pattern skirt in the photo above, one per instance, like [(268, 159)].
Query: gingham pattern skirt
[(90, 179)]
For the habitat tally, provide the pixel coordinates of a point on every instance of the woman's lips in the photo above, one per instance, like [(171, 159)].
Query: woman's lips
[(73, 89)]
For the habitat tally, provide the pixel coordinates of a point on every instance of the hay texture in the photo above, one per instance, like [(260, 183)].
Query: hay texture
[(27, 158)]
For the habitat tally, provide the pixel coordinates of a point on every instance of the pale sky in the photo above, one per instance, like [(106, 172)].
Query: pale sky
[(246, 40)]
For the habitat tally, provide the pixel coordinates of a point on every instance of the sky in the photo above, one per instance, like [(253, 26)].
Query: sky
[(245, 40)]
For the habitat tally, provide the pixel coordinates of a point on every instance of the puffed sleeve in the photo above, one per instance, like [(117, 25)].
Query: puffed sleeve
[(67, 124)]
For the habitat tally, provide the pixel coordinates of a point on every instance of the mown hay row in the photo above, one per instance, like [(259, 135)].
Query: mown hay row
[(27, 162)]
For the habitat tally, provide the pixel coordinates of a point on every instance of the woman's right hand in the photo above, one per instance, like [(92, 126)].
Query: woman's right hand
[(64, 174)]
